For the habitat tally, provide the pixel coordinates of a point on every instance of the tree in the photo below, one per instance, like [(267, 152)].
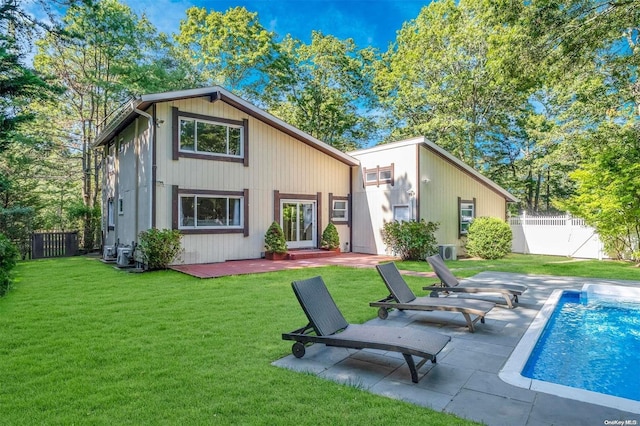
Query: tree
[(447, 77), (608, 191), (325, 89), (596, 52), (231, 49), (108, 56), (19, 85)]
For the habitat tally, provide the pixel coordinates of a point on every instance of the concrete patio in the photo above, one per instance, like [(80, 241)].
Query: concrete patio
[(465, 380)]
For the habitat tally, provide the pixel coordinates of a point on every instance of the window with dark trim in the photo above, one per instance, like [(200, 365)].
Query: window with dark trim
[(209, 138), (379, 175), (466, 214), (210, 212), (339, 213)]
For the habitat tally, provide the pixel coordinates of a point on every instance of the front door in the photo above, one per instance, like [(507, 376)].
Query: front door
[(298, 221)]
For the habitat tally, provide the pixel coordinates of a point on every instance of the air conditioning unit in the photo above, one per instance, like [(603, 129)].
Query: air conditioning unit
[(447, 251), (109, 253), (124, 256)]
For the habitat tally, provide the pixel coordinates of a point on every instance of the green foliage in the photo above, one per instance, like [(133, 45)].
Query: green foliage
[(330, 238), (325, 88), (17, 225), (608, 189), (411, 240), (489, 238), (231, 49), (447, 77), (274, 240), (159, 248), (8, 257), (91, 218)]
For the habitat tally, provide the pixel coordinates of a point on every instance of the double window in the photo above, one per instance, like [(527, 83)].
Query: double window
[(210, 137), (210, 212), (379, 175)]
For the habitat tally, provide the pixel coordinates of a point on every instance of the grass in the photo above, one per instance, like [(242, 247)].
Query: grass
[(83, 343)]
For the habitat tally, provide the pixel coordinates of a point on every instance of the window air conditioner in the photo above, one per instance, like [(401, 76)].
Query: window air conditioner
[(109, 253), (124, 256), (447, 251)]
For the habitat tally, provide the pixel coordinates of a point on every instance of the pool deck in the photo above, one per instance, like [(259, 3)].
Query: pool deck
[(465, 381)]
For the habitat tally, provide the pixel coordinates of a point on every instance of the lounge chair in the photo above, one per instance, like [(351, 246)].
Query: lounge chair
[(328, 326), (449, 283), (402, 298)]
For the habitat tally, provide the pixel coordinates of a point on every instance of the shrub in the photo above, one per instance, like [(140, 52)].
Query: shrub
[(411, 240), (274, 241), (159, 247), (8, 256), (17, 224), (489, 238), (330, 238)]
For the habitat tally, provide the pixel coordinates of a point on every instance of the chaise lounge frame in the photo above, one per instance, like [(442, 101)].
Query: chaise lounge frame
[(328, 326), (449, 283), (402, 298)]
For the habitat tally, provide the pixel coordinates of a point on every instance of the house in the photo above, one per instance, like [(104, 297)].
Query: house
[(221, 170), (416, 179)]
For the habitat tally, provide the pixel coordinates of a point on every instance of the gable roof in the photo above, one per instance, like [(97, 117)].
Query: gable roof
[(445, 155), (127, 113)]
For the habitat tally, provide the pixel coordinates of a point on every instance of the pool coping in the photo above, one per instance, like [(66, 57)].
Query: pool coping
[(512, 369)]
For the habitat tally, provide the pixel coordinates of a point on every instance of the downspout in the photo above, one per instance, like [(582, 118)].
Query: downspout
[(151, 135), (350, 206), (136, 152)]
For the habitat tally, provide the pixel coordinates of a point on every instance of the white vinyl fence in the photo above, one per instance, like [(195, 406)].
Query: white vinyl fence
[(555, 235)]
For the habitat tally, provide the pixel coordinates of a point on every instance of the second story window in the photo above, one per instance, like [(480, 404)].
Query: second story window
[(209, 137), (379, 175)]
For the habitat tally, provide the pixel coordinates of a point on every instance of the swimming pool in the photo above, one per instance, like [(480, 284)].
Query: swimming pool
[(572, 346)]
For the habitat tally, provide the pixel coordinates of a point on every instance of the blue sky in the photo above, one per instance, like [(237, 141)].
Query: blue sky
[(368, 22)]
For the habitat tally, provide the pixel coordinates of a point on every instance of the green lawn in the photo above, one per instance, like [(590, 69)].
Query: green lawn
[(84, 343)]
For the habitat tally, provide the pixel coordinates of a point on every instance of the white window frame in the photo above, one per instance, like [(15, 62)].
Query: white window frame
[(396, 208), (334, 209), (215, 123), (195, 225), (466, 219)]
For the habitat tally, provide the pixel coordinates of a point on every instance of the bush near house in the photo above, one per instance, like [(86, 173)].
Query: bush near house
[(274, 240), (8, 257), (411, 240), (330, 238), (159, 247), (489, 238)]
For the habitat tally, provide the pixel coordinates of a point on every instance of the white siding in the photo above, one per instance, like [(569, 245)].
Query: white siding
[(429, 184), (373, 204)]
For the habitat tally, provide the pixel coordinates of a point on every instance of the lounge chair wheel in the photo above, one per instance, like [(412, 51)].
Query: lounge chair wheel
[(298, 349), (383, 313)]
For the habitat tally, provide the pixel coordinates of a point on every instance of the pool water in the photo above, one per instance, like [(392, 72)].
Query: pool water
[(590, 343)]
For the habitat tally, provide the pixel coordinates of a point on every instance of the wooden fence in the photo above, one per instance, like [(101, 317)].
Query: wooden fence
[(54, 244)]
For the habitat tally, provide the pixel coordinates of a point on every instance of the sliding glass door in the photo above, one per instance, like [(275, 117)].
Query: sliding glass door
[(298, 221)]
